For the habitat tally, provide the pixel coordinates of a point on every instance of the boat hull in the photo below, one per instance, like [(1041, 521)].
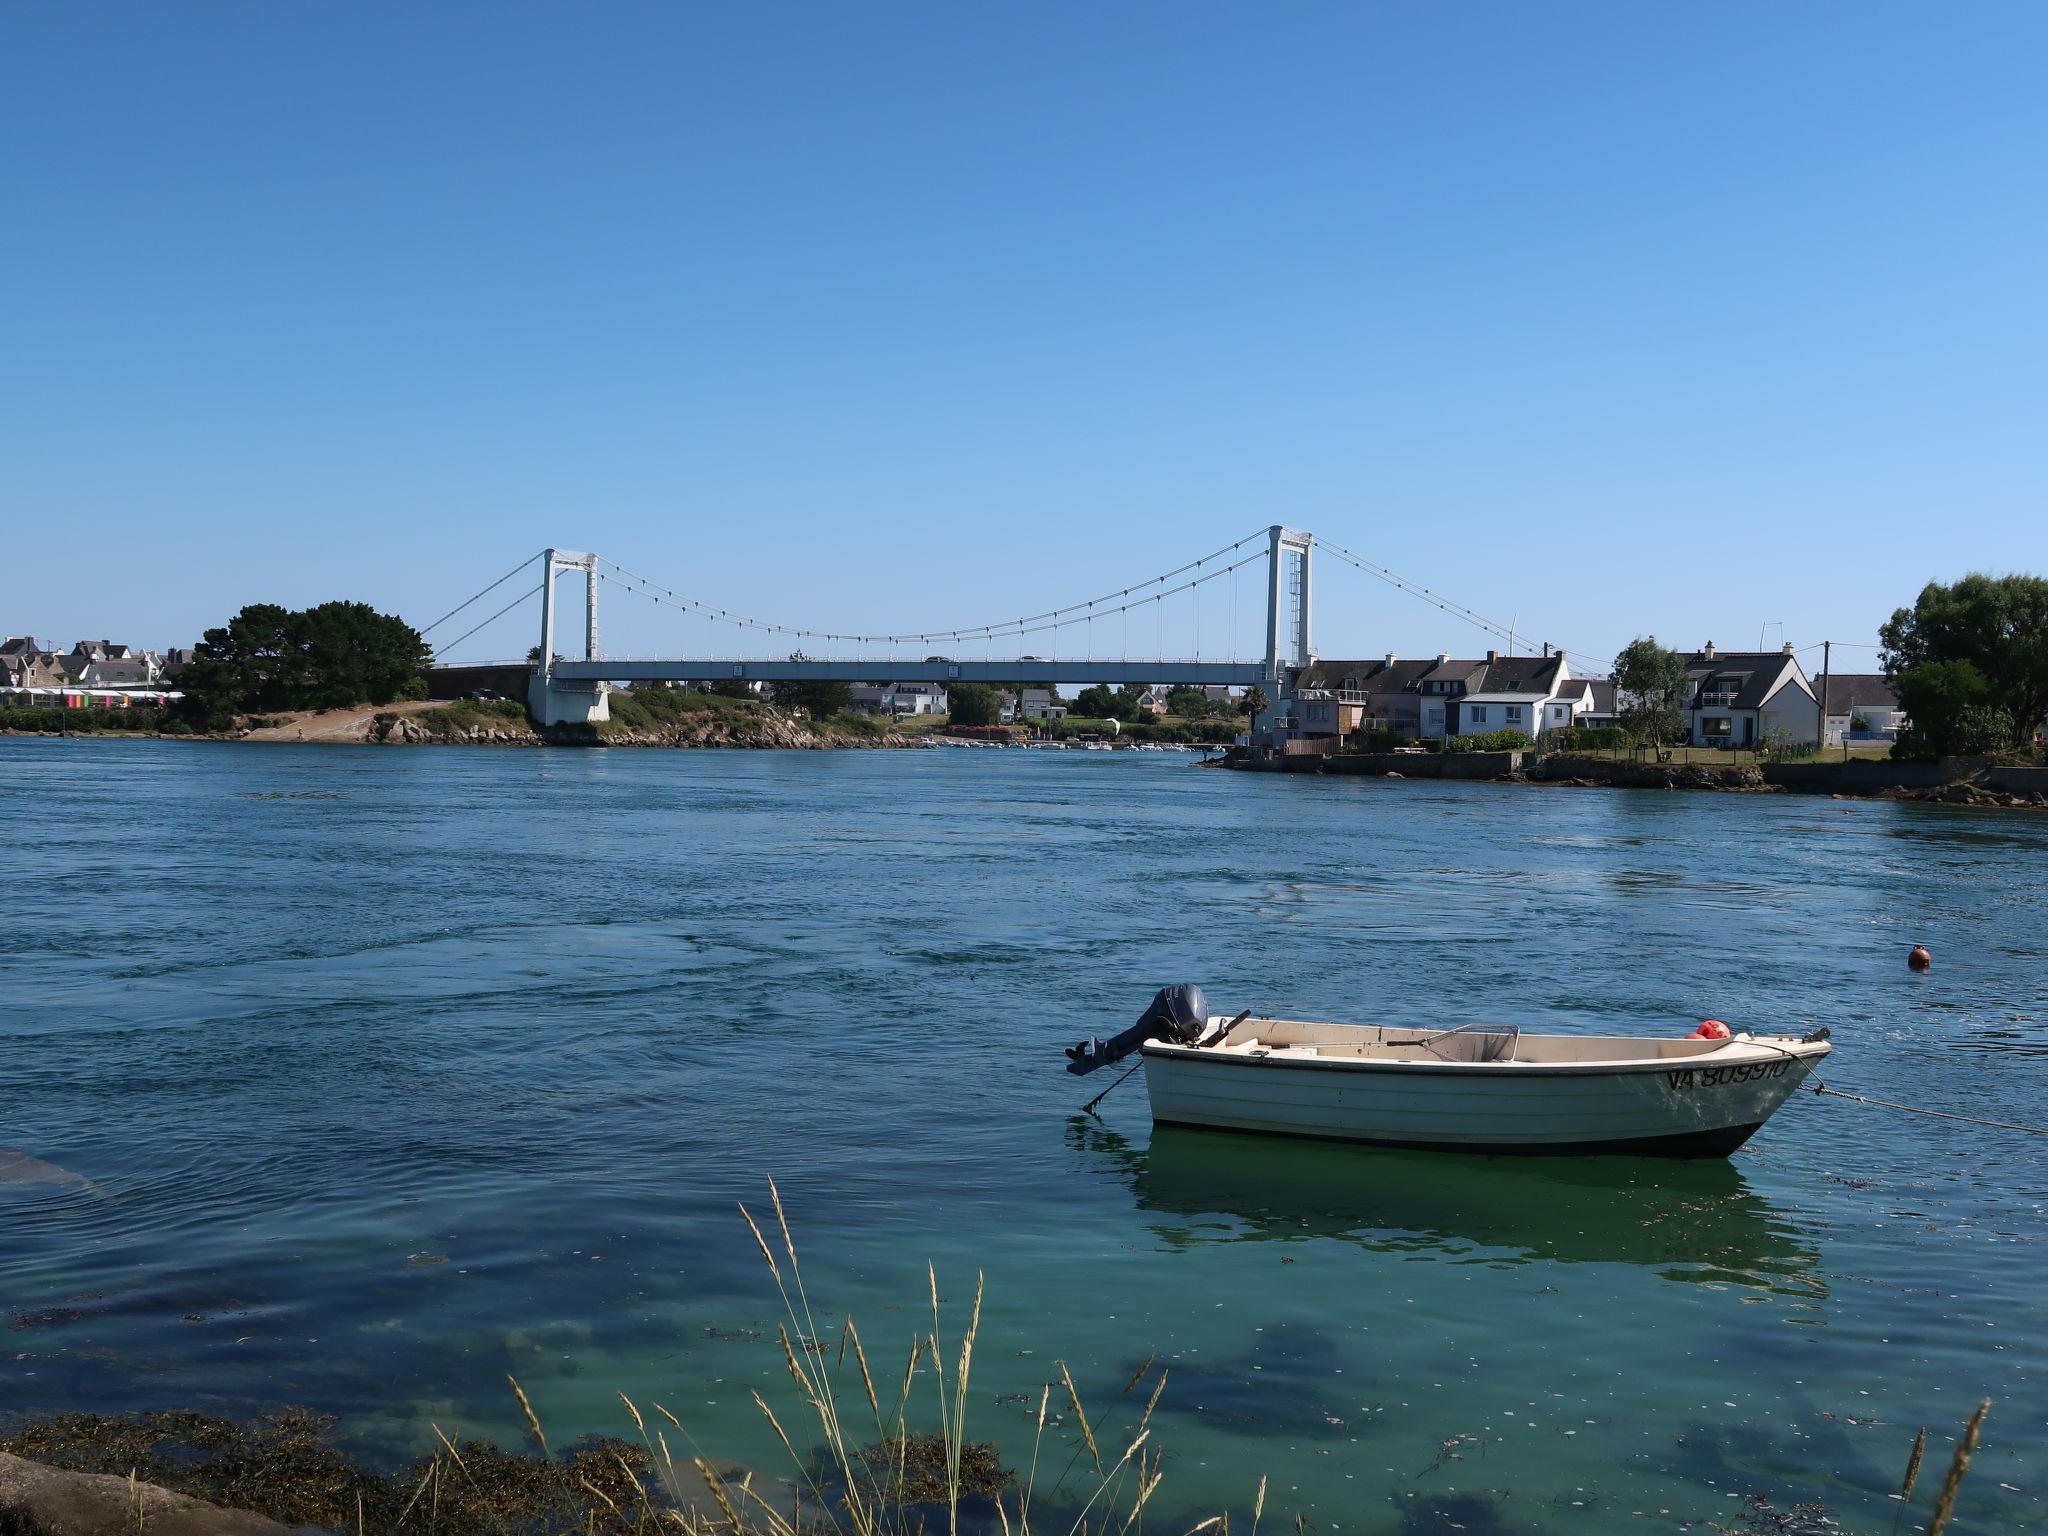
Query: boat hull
[(1679, 1109)]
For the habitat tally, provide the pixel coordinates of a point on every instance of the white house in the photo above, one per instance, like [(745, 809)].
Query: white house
[(898, 699), (1530, 694), (916, 698), (1743, 699), (1860, 706), (1038, 704)]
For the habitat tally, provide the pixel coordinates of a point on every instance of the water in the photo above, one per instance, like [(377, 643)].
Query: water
[(394, 1071)]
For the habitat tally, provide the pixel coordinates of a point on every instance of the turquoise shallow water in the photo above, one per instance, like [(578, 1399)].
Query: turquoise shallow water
[(392, 1071)]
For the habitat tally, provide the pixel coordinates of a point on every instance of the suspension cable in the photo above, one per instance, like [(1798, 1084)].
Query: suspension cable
[(522, 597), (1010, 629), (522, 565), (998, 628), (1448, 605)]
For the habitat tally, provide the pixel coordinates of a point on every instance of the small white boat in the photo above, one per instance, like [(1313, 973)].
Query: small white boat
[(1478, 1088)]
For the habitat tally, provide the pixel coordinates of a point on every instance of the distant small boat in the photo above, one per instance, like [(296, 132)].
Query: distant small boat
[(1478, 1088)]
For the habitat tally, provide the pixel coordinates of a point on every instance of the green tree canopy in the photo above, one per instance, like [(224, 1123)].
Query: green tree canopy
[(1253, 702), (1096, 703), (815, 699), (974, 704), (1970, 663), (1653, 692), (272, 658)]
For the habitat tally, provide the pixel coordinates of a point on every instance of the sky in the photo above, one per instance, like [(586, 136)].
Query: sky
[(1718, 322)]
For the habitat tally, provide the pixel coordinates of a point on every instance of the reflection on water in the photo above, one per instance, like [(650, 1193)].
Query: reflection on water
[(1688, 1220)]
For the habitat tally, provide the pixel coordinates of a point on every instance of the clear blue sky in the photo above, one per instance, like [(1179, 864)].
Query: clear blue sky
[(1611, 318)]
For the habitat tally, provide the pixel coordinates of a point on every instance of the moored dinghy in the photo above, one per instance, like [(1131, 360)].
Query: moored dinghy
[(1477, 1088)]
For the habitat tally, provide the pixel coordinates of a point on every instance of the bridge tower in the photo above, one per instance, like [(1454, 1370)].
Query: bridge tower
[(562, 701), (1289, 589)]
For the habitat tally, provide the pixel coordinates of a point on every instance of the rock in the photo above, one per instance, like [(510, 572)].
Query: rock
[(36, 1500), (18, 1168)]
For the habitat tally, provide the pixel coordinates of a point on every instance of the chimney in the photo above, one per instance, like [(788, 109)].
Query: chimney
[(1708, 651), (1788, 648), (1492, 656), (1443, 658), (1391, 658)]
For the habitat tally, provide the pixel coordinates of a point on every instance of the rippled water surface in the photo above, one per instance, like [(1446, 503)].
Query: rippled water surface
[(376, 1074)]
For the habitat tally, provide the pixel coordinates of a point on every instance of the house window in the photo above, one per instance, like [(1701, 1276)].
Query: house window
[(1717, 726), (1479, 714), (1514, 714)]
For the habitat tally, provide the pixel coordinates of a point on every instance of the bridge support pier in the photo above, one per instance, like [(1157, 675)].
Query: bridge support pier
[(567, 703)]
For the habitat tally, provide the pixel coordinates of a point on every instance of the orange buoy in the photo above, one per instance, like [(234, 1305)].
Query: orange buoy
[(1710, 1029), (1919, 959)]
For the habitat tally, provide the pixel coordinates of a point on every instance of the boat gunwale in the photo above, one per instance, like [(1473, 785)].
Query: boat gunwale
[(1799, 1052)]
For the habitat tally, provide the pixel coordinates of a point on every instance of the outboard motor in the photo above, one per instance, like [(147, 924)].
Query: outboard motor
[(1178, 1013)]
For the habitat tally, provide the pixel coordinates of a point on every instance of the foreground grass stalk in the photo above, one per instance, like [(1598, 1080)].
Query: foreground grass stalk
[(1945, 1506)]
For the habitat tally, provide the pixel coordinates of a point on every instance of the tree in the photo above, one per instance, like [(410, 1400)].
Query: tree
[(1096, 703), (1651, 685), (815, 699), (1951, 711), (1187, 701), (272, 658), (728, 688), (1254, 702), (974, 704), (1970, 664)]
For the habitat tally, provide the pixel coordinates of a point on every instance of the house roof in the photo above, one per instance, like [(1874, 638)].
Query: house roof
[(121, 669), (1603, 694), (1756, 675), (1849, 691), (1528, 675), (1379, 675)]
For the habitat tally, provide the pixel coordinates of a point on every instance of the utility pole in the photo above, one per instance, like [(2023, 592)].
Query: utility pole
[(1827, 656)]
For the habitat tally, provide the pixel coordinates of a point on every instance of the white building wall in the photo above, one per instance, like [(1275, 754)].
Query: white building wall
[(1792, 710)]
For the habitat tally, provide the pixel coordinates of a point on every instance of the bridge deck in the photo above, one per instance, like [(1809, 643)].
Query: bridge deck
[(1242, 674)]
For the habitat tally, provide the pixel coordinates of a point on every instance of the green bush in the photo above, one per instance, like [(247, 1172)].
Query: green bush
[(846, 723), (1490, 741), (81, 720)]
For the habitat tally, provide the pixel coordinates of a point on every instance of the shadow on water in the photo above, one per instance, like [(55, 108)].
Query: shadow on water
[(1698, 1221)]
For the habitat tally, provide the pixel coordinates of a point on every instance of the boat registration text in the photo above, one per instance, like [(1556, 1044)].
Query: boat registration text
[(1708, 1077)]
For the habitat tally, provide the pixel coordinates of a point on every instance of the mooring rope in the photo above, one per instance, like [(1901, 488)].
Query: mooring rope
[(1820, 1087)]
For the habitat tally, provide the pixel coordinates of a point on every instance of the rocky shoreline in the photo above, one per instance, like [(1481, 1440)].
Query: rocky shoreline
[(769, 732), (1957, 782)]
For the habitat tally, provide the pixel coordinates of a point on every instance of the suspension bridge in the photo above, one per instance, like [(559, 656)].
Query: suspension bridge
[(565, 689)]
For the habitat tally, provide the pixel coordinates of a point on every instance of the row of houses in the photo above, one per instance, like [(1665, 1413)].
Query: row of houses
[(1739, 699), (92, 672)]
